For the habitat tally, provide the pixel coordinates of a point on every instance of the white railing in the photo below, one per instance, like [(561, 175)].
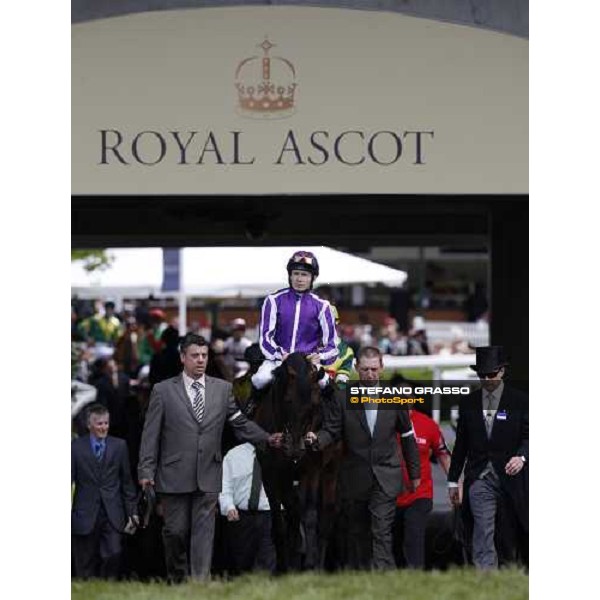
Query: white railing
[(476, 334), (436, 362)]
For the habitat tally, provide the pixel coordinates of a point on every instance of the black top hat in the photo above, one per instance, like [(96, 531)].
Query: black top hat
[(489, 359)]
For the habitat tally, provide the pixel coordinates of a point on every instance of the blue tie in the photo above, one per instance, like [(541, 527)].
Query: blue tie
[(99, 450)]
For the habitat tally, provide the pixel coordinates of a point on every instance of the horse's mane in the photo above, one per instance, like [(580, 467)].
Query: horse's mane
[(277, 415)]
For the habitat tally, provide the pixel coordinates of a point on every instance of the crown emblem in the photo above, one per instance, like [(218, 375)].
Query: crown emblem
[(266, 85)]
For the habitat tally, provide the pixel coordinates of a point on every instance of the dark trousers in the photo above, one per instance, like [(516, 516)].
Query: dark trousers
[(99, 553), (409, 533), (369, 530), (250, 543), (188, 534)]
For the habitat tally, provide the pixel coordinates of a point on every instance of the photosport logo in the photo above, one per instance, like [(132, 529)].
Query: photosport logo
[(266, 85)]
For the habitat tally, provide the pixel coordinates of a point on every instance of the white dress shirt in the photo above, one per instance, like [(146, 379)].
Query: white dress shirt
[(237, 480), (371, 415)]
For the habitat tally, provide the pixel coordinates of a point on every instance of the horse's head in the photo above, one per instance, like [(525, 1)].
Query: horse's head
[(298, 397)]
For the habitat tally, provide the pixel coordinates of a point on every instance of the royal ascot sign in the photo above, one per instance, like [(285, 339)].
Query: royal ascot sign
[(376, 103), (266, 89), (351, 148)]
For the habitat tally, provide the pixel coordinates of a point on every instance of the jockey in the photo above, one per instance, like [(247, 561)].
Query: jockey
[(341, 369), (295, 319)]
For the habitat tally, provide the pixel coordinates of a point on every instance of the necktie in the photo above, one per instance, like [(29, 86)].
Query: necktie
[(256, 485), (198, 402), (98, 450), (489, 415)]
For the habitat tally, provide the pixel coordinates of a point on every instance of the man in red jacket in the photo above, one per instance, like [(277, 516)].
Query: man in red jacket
[(412, 508)]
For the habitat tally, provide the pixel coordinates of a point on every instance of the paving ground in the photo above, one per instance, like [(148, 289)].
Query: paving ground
[(440, 490)]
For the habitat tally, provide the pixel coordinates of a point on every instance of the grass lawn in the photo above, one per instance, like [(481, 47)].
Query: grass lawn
[(414, 374), (459, 584)]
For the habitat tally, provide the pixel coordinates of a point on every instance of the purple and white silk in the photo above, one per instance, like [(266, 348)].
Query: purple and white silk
[(291, 321)]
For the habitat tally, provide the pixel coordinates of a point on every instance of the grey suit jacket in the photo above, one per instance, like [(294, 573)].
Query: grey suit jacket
[(180, 454), (106, 483), (368, 457)]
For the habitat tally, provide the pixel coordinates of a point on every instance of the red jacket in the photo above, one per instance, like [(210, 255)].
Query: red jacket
[(429, 439)]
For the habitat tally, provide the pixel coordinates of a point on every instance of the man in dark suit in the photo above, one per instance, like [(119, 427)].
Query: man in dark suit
[(113, 392), (492, 438), (166, 363), (105, 499), (370, 474), (181, 456)]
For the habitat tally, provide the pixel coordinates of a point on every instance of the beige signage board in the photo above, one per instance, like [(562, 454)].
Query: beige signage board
[(289, 100)]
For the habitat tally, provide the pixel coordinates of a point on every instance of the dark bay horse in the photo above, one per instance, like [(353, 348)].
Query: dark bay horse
[(295, 477)]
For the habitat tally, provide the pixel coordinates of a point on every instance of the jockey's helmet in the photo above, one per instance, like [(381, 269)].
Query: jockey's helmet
[(303, 260)]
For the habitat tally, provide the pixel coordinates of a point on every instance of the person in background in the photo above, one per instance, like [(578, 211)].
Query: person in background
[(127, 349), (158, 323), (363, 332), (113, 393), (218, 365), (81, 356), (417, 343), (392, 340), (245, 505), (341, 369), (400, 304), (476, 304), (236, 345), (103, 327), (246, 395), (413, 507), (104, 500), (166, 363), (76, 333), (144, 348)]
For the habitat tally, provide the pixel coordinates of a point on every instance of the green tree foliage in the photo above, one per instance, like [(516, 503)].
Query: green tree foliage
[(93, 260)]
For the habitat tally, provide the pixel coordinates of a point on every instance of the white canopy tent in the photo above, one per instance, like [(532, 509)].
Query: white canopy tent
[(134, 273), (227, 272), (230, 272)]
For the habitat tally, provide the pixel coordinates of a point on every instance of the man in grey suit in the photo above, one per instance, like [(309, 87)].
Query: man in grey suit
[(370, 475), (180, 455)]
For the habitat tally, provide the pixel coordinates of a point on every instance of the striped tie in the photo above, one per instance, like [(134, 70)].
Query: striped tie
[(198, 402)]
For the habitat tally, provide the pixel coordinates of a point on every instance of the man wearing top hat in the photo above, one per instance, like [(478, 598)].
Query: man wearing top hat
[(492, 445)]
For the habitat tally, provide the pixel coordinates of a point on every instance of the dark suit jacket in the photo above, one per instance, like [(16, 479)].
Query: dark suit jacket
[(115, 399), (107, 483), (368, 458), (180, 454), (510, 437)]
